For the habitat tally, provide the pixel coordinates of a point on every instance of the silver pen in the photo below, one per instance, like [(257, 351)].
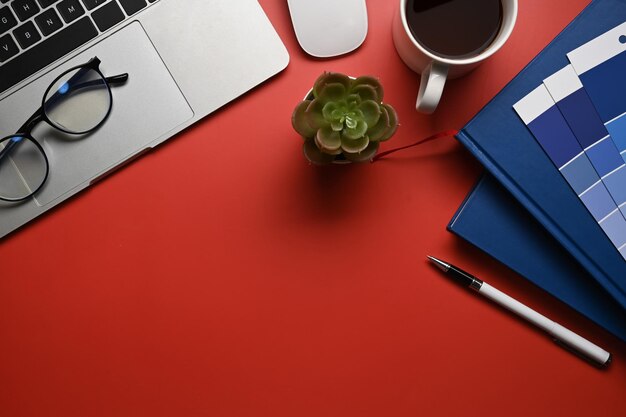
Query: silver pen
[(560, 334)]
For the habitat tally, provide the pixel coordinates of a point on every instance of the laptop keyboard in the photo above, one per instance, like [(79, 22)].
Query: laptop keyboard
[(35, 33)]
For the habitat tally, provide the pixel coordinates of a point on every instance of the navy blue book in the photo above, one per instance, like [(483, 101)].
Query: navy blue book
[(507, 149), (496, 223)]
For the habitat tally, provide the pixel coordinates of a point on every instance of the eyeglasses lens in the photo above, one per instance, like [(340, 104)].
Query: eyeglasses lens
[(23, 168), (78, 101)]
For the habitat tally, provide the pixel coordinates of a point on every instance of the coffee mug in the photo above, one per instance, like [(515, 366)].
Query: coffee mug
[(436, 67)]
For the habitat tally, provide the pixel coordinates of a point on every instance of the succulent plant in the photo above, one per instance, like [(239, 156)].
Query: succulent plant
[(344, 117)]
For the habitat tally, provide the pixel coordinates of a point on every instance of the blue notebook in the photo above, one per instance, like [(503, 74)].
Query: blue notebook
[(496, 223), (507, 149)]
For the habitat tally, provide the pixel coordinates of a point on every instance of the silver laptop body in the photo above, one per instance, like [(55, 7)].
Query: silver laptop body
[(185, 59)]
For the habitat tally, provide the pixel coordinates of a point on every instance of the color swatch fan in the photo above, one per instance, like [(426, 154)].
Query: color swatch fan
[(578, 116)]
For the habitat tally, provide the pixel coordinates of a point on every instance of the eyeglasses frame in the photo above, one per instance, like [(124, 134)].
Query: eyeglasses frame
[(25, 131)]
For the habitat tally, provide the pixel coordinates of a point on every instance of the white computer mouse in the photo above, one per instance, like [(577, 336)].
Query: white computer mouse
[(326, 28)]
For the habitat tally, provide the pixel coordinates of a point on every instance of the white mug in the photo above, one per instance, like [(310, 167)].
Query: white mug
[(436, 69)]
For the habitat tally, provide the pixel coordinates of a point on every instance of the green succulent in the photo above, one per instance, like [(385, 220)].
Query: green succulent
[(344, 118)]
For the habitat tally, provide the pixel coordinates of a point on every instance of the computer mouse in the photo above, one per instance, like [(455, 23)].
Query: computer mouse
[(326, 28)]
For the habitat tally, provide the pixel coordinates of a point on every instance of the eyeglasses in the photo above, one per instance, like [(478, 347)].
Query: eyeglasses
[(77, 102)]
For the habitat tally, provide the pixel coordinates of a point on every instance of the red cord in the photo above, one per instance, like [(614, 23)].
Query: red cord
[(442, 134)]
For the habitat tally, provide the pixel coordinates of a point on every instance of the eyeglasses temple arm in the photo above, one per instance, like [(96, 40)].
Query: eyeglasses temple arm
[(117, 79)]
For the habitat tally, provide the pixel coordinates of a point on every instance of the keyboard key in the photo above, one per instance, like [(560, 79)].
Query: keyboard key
[(49, 22), (46, 52), (70, 10), (25, 9), (133, 6), (92, 4), (108, 16), (27, 35), (8, 48), (46, 3), (7, 20)]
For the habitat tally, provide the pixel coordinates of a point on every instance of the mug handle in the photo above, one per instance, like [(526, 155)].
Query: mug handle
[(431, 87)]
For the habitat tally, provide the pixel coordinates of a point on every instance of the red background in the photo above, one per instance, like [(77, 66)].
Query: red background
[(221, 275)]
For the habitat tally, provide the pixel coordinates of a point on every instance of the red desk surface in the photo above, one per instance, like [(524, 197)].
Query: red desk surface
[(221, 275)]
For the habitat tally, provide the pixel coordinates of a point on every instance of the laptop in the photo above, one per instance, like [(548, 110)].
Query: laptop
[(184, 59)]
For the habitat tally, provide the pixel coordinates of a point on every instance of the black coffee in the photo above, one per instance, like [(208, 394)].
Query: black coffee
[(454, 28)]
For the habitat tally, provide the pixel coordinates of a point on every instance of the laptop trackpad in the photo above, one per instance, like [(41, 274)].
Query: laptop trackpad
[(145, 108)]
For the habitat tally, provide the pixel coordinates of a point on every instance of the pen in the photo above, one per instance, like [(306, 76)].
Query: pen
[(560, 334)]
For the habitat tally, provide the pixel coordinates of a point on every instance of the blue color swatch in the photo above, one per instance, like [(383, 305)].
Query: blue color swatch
[(556, 138), (599, 202), (606, 86), (601, 67), (580, 174), (617, 129), (605, 157), (582, 117)]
